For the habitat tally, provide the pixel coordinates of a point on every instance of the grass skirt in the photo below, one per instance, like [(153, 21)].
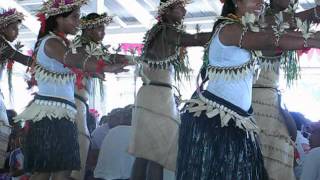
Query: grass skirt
[(51, 145), (208, 151)]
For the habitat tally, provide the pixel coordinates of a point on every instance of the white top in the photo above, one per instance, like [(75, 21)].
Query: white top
[(98, 135), (238, 92), (114, 162), (302, 144), (3, 116), (2, 68), (47, 88), (311, 165), (16, 161)]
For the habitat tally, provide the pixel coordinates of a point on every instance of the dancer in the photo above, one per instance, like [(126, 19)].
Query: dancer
[(276, 142), (9, 22), (155, 115), (51, 146), (278, 130), (9, 29), (218, 135), (93, 32)]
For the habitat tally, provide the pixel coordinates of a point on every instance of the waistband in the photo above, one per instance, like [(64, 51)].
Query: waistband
[(54, 99), (212, 106), (152, 83)]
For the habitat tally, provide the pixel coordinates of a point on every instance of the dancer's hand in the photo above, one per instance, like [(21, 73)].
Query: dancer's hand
[(122, 59), (317, 35), (3, 50), (99, 75), (2, 40), (18, 46), (115, 68), (121, 70)]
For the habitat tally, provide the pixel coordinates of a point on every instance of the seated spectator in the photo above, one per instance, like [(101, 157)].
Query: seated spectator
[(311, 165), (16, 159), (100, 133), (92, 118), (302, 143), (97, 137), (114, 162)]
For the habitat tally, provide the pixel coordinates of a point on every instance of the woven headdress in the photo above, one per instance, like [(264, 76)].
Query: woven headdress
[(88, 23), (165, 4), (10, 16), (55, 7)]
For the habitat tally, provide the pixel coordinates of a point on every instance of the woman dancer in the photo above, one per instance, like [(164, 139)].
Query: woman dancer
[(9, 29), (51, 146), (218, 136), (278, 130), (93, 32), (155, 115)]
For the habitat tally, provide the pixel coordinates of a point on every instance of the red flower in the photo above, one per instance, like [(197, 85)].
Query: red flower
[(94, 112), (42, 19), (100, 65), (10, 64), (79, 77)]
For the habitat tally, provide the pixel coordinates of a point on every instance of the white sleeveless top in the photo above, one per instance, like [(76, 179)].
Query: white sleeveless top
[(48, 87), (236, 91)]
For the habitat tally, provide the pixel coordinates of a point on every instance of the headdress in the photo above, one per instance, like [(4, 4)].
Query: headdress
[(55, 7), (87, 23), (10, 16), (165, 4)]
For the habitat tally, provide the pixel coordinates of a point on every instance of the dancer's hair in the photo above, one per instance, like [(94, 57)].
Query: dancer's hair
[(51, 24), (228, 8)]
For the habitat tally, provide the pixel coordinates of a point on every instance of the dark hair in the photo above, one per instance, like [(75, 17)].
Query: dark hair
[(11, 114), (172, 6), (299, 119), (280, 8), (51, 24), (228, 7), (128, 115), (91, 122), (91, 16), (104, 119), (271, 4), (19, 21)]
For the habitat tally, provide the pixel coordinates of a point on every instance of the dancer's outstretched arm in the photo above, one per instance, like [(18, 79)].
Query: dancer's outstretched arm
[(10, 53), (55, 49), (199, 39), (234, 35)]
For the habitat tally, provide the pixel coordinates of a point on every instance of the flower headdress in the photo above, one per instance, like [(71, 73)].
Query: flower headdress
[(165, 4), (55, 7), (94, 113), (10, 16), (87, 23)]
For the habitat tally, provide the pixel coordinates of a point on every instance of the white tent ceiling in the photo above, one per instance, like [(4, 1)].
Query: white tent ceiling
[(131, 17), (131, 20)]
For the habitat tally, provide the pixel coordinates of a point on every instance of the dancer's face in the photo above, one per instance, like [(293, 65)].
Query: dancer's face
[(250, 6), (70, 24), (96, 34), (11, 32), (176, 13)]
